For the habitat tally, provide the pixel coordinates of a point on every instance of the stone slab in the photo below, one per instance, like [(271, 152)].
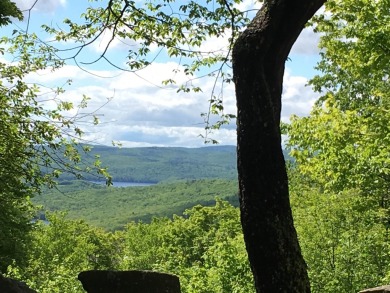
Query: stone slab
[(129, 282), (381, 289)]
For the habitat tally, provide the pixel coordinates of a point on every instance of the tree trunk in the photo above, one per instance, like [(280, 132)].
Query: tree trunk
[(259, 55)]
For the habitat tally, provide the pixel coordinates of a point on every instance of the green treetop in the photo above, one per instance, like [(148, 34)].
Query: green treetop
[(9, 9), (345, 142), (37, 144)]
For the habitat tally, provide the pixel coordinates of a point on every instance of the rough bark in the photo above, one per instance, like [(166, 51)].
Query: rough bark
[(259, 56)]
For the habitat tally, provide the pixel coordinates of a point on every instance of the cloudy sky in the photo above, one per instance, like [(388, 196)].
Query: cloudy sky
[(142, 112)]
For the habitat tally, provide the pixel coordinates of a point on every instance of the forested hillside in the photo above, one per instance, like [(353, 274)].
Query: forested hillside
[(112, 208), (153, 164), (157, 164), (187, 176)]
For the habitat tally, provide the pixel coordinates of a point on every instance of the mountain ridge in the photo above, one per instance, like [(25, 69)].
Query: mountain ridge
[(158, 164)]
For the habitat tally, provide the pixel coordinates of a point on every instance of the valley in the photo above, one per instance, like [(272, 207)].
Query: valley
[(177, 179)]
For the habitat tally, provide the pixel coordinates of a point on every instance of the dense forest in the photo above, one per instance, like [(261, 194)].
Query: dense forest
[(344, 244), (92, 226), (111, 208), (55, 222)]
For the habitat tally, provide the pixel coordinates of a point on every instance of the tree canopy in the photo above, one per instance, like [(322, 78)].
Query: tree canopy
[(344, 143), (9, 9), (37, 142)]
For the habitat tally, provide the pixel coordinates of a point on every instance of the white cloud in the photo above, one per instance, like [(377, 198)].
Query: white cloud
[(142, 114), (114, 43), (151, 76), (248, 5), (46, 6), (139, 112), (297, 98), (307, 43)]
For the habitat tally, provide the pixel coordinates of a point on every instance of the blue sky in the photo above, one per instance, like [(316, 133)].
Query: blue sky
[(143, 113)]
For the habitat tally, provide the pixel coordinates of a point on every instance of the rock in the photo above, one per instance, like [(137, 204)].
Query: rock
[(381, 289), (8, 285), (129, 282)]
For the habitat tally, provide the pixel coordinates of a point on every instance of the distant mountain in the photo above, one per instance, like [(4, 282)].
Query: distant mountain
[(186, 177), (157, 164)]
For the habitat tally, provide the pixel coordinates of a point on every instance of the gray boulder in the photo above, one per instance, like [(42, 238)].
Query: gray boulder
[(8, 285), (129, 282), (381, 289)]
